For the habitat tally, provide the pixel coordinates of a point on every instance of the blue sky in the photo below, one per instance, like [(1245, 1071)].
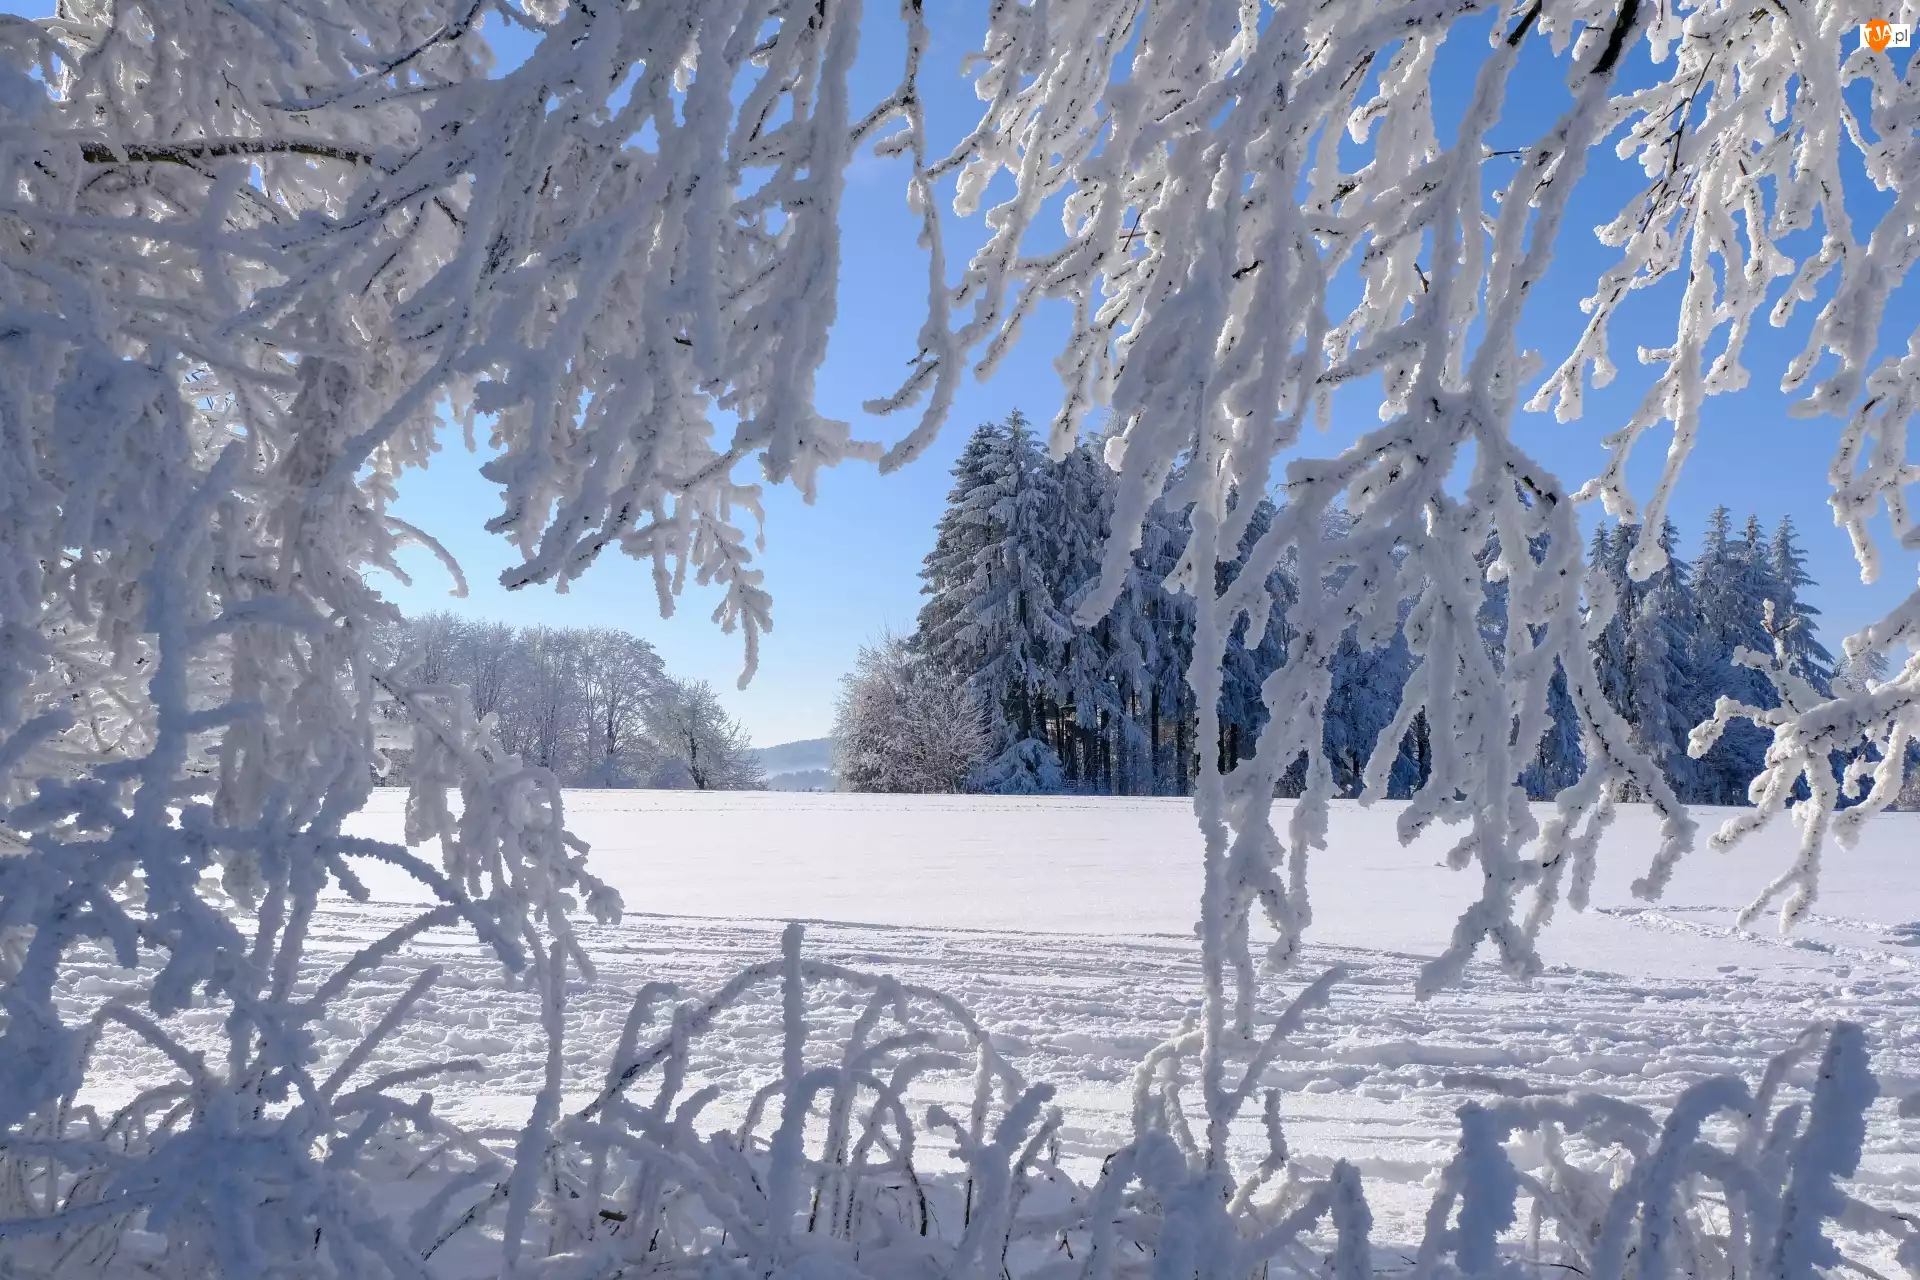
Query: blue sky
[(844, 568)]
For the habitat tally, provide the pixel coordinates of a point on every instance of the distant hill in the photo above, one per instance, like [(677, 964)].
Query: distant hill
[(812, 755), (801, 780)]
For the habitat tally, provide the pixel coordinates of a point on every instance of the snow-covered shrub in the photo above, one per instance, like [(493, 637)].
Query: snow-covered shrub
[(1029, 767), (820, 1168), (902, 724), (830, 1160)]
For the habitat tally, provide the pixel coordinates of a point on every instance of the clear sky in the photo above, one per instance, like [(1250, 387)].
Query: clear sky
[(845, 568)]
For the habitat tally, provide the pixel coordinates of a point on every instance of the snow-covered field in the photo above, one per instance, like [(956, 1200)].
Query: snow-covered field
[(1066, 925)]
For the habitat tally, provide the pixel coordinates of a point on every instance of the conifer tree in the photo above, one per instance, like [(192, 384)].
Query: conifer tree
[(994, 618), (950, 575), (1730, 594), (1659, 637), (1558, 760), (1367, 676), (1250, 658), (1793, 617), (1607, 557), (1163, 623), (1092, 678)]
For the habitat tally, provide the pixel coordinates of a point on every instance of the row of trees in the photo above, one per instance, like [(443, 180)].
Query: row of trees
[(1105, 708), (1667, 652), (594, 704)]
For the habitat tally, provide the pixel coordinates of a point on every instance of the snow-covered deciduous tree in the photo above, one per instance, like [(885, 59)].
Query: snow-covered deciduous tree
[(571, 700), (700, 745), (904, 724), (544, 695), (619, 674), (484, 661)]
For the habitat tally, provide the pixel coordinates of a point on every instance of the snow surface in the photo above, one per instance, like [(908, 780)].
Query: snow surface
[(982, 897), (1024, 864)]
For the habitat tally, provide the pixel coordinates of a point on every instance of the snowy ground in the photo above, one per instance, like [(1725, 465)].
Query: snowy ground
[(1065, 925)]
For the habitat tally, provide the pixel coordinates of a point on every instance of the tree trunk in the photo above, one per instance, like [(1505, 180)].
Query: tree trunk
[(1106, 757), (1422, 750), (1180, 747), (1153, 737)]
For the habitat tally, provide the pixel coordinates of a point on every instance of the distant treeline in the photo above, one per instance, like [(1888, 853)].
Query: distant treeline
[(1107, 709), (595, 705)]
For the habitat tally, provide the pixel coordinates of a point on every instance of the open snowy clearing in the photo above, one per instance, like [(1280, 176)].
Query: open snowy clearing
[(977, 897), (1023, 865)]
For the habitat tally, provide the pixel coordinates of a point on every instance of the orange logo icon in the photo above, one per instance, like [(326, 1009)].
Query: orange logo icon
[(1881, 35)]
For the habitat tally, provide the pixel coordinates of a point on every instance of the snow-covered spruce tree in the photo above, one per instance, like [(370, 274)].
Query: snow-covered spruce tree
[(1363, 699), (1859, 673), (949, 576), (903, 724), (1366, 675), (1732, 585), (1646, 650), (1104, 693), (1161, 622), (1557, 760), (994, 618), (1660, 636), (1253, 649), (1613, 592), (1787, 574), (1087, 708)]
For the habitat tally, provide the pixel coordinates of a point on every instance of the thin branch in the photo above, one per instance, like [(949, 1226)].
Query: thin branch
[(190, 153)]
